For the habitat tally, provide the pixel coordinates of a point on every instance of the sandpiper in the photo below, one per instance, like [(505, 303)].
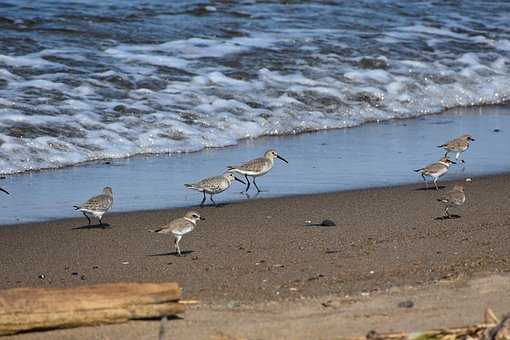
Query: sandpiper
[(179, 227), (435, 170), (457, 145), (4, 191), (453, 198), (214, 185), (98, 205), (257, 167)]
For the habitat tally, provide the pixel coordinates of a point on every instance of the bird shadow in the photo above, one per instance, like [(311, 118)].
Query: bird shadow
[(218, 205), (315, 225), (93, 226), (173, 253), (451, 217), (430, 188)]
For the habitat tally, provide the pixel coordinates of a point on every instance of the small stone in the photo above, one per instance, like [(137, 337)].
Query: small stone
[(74, 273), (469, 179), (496, 130), (125, 262), (42, 276), (95, 267), (82, 277), (278, 265), (233, 304), (328, 223), (406, 304), (365, 294)]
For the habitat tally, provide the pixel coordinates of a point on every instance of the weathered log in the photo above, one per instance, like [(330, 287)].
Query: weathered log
[(24, 309)]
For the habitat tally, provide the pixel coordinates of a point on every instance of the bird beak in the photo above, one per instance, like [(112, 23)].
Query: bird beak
[(283, 159), (239, 180), (4, 191), (453, 162), (471, 139), (202, 218)]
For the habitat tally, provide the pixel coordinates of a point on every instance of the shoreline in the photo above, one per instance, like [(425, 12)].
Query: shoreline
[(319, 162)]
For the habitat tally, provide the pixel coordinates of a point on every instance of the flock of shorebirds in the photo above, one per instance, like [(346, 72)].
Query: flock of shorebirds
[(98, 205)]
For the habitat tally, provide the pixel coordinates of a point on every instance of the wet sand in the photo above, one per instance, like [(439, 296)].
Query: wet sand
[(262, 250), (261, 256)]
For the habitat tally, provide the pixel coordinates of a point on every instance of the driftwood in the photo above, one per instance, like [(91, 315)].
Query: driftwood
[(491, 329), (25, 309)]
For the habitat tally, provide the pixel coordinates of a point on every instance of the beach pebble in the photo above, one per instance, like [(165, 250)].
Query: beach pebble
[(74, 273), (328, 223), (233, 304), (406, 304), (496, 130), (42, 276), (332, 304), (125, 262), (469, 180)]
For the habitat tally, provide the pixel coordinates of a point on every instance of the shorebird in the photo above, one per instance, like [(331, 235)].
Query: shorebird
[(453, 198), (257, 167), (214, 185), (435, 170), (4, 191), (98, 205), (179, 227), (457, 145)]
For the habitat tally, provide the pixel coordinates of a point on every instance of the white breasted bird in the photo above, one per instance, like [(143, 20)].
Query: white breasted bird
[(257, 167), (98, 205), (435, 170), (180, 227), (457, 145), (214, 185)]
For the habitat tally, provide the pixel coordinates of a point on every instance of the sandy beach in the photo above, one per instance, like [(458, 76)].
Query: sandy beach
[(263, 251)]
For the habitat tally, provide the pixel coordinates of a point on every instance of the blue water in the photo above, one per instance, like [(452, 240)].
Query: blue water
[(90, 80), (372, 155)]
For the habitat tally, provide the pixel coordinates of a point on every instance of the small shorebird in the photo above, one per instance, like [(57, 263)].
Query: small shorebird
[(453, 198), (214, 185), (257, 167), (457, 145), (98, 205), (179, 227), (435, 170), (4, 191)]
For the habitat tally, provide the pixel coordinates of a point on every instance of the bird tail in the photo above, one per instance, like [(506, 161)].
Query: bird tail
[(418, 170), (76, 207)]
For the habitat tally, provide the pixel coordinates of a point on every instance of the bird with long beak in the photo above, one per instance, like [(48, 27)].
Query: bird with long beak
[(180, 227), (4, 191), (257, 167), (457, 145), (435, 170), (214, 185)]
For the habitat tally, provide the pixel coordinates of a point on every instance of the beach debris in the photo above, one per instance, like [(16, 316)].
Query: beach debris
[(496, 130), (469, 179), (233, 304), (125, 262), (328, 223), (31, 309), (74, 273), (278, 265), (491, 329), (162, 328), (42, 276), (406, 304)]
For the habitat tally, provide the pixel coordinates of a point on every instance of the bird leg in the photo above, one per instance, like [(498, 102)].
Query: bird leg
[(88, 218), (435, 183), (203, 200), (426, 183), (247, 182), (446, 212), (256, 186), (213, 201), (177, 246)]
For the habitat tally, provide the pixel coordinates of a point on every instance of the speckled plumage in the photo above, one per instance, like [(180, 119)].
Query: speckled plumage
[(454, 197), (457, 145), (213, 185), (98, 205)]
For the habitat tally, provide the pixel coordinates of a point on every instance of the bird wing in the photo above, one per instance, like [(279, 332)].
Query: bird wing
[(256, 165), (98, 203), (177, 226), (432, 168)]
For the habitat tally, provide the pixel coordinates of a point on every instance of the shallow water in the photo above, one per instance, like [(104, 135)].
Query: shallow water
[(89, 80), (376, 154)]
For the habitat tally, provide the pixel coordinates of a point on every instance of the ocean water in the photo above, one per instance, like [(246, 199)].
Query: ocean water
[(89, 80), (371, 155)]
